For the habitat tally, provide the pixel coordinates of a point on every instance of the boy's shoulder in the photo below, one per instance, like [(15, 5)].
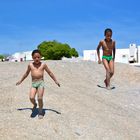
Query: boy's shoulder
[(30, 64), (101, 42), (43, 63)]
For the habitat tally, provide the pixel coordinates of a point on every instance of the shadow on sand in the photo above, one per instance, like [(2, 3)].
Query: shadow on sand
[(105, 87), (35, 111)]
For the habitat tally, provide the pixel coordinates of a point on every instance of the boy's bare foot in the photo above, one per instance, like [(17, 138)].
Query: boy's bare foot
[(108, 88), (105, 83), (34, 107), (40, 116)]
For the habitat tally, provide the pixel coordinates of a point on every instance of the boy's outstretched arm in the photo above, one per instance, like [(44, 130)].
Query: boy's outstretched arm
[(51, 74), (24, 76)]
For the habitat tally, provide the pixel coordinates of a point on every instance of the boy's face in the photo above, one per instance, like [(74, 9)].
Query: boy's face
[(108, 36), (36, 57)]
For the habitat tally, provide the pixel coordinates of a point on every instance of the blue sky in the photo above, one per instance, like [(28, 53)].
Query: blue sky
[(24, 24)]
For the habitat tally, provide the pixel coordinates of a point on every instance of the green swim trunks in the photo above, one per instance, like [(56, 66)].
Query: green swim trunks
[(108, 58), (38, 84)]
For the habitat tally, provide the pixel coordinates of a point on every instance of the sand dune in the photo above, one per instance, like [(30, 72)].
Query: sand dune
[(78, 110)]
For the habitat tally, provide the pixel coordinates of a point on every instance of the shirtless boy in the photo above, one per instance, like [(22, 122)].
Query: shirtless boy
[(37, 74), (108, 58)]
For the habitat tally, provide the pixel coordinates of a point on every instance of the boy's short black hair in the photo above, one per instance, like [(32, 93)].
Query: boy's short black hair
[(35, 51), (107, 30)]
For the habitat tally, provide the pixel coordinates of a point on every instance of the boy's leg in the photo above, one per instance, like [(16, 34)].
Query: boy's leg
[(106, 65), (32, 97), (111, 66), (40, 100)]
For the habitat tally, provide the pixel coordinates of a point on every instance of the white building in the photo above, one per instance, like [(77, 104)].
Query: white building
[(21, 56), (130, 55)]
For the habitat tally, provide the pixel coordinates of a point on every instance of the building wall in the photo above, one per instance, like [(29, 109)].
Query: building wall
[(91, 55), (122, 55), (22, 56)]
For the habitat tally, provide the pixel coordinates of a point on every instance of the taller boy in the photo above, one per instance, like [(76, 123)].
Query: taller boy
[(108, 58)]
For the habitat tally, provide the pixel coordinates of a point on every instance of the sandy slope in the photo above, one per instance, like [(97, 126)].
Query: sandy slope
[(78, 110)]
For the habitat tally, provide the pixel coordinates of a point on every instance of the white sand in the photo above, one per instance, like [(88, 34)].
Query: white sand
[(78, 110)]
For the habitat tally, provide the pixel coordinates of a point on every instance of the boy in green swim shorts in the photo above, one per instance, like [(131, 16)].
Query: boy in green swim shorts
[(108, 58), (37, 73)]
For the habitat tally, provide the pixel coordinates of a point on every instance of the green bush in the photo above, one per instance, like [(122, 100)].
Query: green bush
[(54, 50), (1, 57)]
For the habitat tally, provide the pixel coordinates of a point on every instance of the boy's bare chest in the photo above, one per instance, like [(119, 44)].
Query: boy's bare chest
[(107, 45), (37, 68)]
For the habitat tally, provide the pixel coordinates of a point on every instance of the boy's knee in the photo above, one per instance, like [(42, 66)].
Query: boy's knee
[(111, 73), (108, 73), (32, 98), (40, 99)]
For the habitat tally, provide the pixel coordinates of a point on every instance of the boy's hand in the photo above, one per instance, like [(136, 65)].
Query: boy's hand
[(57, 83), (18, 83), (99, 61)]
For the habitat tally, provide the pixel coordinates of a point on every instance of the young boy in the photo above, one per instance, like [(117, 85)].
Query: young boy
[(108, 47), (37, 73)]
